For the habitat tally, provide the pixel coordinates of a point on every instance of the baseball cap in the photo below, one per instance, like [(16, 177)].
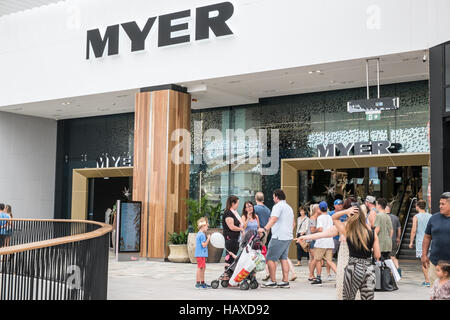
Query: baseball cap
[(323, 206), (337, 202), (370, 199)]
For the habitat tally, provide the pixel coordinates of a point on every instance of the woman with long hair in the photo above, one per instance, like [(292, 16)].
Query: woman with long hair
[(302, 228), (249, 218), (362, 242), (343, 254), (232, 227)]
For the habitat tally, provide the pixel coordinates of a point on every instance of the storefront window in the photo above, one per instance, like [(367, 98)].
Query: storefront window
[(302, 122)]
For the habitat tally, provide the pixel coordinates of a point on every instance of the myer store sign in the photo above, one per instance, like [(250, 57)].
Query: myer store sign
[(170, 32), (359, 148)]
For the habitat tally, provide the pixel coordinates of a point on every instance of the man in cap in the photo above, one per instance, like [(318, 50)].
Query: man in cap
[(338, 206), (372, 211), (323, 248)]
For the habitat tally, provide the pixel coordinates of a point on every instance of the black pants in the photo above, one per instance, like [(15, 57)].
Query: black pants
[(386, 255), (300, 252), (231, 245)]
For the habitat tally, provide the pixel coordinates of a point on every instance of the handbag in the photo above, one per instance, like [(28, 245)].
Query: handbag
[(303, 244), (384, 278)]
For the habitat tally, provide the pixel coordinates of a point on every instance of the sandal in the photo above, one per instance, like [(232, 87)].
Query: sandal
[(293, 278)]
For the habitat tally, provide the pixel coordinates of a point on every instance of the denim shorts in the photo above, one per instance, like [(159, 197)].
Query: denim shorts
[(278, 250)]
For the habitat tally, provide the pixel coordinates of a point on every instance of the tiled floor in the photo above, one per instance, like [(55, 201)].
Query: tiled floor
[(150, 280)]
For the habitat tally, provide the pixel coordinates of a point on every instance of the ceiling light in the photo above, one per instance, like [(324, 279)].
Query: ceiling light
[(332, 81), (66, 103), (311, 72), (318, 71), (291, 82)]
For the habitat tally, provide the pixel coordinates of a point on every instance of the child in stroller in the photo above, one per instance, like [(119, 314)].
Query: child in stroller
[(249, 260)]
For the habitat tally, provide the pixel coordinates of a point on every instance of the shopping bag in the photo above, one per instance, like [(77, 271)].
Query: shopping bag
[(394, 271), (244, 266), (260, 262), (384, 279)]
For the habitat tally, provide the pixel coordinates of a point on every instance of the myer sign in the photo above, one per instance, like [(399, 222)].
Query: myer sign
[(212, 17), (359, 148)]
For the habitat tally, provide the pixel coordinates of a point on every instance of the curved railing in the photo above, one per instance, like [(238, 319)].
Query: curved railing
[(53, 259)]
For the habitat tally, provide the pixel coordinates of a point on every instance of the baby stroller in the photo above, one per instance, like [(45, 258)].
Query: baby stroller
[(248, 261)]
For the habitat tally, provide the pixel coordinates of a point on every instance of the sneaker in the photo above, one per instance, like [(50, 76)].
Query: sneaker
[(311, 279), (399, 272), (330, 277), (283, 285), (198, 286), (269, 284), (426, 284), (317, 281), (267, 277), (205, 285)]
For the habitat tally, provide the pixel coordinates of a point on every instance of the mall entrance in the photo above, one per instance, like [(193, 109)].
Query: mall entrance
[(398, 185), (94, 190), (103, 195), (401, 178)]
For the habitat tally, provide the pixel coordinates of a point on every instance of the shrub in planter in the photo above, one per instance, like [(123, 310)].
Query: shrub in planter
[(196, 210), (178, 247)]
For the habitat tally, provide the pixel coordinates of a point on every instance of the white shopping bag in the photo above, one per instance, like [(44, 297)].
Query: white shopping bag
[(391, 266), (244, 266)]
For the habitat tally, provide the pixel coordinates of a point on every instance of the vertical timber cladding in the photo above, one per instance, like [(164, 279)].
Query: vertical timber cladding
[(159, 183)]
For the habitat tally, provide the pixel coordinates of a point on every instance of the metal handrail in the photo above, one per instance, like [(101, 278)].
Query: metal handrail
[(405, 225)]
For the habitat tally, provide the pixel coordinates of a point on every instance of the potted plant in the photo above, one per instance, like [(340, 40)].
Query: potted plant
[(178, 247)]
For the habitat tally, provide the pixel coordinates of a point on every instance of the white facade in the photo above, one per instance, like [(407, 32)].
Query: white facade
[(27, 165), (43, 51)]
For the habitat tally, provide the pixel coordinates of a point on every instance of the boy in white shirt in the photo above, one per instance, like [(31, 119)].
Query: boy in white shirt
[(323, 248)]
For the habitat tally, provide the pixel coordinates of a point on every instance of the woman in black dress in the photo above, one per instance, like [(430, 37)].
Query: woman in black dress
[(232, 227)]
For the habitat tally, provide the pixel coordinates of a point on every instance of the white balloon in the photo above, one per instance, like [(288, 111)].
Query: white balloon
[(217, 240)]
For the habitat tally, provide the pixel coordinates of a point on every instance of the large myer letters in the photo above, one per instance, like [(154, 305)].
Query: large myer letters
[(359, 148), (212, 17)]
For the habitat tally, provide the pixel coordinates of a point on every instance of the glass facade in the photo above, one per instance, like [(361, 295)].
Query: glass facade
[(88, 143), (229, 152)]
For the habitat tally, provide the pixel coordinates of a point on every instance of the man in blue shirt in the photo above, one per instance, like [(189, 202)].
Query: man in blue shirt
[(263, 214), (437, 233)]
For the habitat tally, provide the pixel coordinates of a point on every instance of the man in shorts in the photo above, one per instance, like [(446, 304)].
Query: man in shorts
[(437, 234), (281, 224), (323, 248)]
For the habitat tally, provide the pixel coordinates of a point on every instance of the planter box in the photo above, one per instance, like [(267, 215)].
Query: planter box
[(178, 253)]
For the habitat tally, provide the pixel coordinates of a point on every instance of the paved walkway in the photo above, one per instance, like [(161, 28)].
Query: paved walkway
[(157, 280)]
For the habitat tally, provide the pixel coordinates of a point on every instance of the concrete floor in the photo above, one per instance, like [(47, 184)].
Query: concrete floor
[(157, 280)]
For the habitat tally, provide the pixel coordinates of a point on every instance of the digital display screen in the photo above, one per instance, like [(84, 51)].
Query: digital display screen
[(130, 227)]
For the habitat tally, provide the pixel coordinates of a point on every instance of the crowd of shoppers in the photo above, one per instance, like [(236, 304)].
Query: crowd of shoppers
[(357, 233)]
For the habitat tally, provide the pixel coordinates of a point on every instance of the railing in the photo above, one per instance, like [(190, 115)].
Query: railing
[(405, 224), (53, 260)]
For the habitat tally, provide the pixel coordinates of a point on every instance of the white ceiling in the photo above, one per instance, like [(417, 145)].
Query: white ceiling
[(13, 6), (244, 89)]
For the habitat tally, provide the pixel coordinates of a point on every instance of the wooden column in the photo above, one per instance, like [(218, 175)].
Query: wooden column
[(158, 183)]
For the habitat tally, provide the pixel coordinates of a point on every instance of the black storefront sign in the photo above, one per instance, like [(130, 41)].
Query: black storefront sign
[(203, 23)]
